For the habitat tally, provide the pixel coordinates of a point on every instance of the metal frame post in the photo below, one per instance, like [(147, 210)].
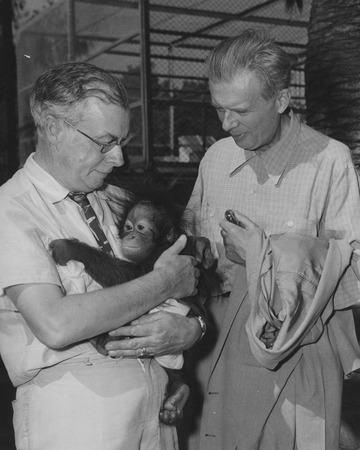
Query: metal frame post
[(71, 30), (145, 78)]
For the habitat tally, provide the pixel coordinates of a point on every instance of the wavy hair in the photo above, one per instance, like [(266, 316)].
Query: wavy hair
[(62, 91), (254, 51)]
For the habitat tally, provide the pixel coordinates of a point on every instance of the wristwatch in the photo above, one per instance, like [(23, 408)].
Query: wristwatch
[(202, 326)]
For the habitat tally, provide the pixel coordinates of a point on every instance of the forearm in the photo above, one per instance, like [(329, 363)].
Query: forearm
[(59, 321), (103, 310)]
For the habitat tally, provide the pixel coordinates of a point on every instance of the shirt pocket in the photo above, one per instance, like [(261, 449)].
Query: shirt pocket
[(289, 223)]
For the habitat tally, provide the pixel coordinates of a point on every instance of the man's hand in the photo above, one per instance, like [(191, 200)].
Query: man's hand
[(159, 333), (175, 399), (180, 271), (235, 237)]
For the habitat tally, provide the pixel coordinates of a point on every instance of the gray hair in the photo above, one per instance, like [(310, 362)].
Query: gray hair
[(62, 91), (255, 51)]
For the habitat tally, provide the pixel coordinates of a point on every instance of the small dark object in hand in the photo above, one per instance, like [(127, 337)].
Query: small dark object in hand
[(230, 216)]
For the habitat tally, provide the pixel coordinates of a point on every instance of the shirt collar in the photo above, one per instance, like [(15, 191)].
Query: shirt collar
[(43, 181), (47, 184), (276, 158)]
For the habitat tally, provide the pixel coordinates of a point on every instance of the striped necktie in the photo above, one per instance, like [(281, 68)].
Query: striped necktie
[(92, 221)]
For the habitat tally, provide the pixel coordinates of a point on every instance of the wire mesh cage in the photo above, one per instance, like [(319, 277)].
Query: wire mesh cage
[(169, 99)]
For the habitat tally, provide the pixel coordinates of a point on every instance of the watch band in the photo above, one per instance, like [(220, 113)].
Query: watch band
[(202, 326)]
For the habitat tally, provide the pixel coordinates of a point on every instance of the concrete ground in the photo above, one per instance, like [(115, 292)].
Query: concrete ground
[(350, 429), (7, 394)]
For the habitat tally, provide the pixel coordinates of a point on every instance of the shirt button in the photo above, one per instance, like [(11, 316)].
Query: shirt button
[(290, 223), (252, 191)]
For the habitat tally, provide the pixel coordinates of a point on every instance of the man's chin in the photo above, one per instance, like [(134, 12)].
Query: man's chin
[(96, 184), (239, 140)]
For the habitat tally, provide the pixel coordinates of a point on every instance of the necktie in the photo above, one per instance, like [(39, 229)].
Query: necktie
[(92, 221)]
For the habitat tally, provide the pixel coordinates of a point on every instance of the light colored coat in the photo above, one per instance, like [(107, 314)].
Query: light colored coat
[(287, 396)]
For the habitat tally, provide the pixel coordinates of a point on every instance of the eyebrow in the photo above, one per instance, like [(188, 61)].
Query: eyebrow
[(109, 137), (249, 107), (235, 108)]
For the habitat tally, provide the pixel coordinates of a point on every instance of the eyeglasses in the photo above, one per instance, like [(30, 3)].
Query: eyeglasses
[(104, 148)]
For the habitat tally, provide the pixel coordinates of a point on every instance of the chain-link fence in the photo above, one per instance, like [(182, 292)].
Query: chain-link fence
[(69, 31), (184, 123), (169, 96)]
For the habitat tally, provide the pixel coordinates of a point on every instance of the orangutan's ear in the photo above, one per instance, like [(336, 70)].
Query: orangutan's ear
[(170, 237)]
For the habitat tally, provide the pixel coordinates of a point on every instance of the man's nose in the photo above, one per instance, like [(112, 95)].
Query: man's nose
[(115, 156), (229, 120)]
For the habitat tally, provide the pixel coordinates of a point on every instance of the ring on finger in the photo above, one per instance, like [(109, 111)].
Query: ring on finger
[(144, 353)]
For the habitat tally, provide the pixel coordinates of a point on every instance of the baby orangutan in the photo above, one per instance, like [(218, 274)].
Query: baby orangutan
[(147, 226)]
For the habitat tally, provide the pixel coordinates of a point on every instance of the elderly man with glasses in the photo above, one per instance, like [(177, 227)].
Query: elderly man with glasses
[(68, 395)]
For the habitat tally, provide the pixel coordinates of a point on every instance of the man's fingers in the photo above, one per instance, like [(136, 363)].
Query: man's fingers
[(178, 245), (226, 227), (244, 220)]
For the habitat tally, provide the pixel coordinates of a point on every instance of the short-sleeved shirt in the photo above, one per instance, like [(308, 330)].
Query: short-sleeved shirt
[(306, 184), (34, 210)]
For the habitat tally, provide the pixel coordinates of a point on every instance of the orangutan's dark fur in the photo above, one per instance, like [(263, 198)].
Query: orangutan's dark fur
[(110, 271)]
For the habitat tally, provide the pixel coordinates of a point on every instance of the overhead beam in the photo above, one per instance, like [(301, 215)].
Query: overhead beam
[(211, 37), (134, 39), (224, 21), (201, 12)]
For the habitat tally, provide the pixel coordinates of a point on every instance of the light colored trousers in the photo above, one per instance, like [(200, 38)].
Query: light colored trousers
[(94, 403)]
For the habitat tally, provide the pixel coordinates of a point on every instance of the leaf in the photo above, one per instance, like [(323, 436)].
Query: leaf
[(291, 3)]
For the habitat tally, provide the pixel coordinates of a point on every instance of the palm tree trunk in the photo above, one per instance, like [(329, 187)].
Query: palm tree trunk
[(332, 71)]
